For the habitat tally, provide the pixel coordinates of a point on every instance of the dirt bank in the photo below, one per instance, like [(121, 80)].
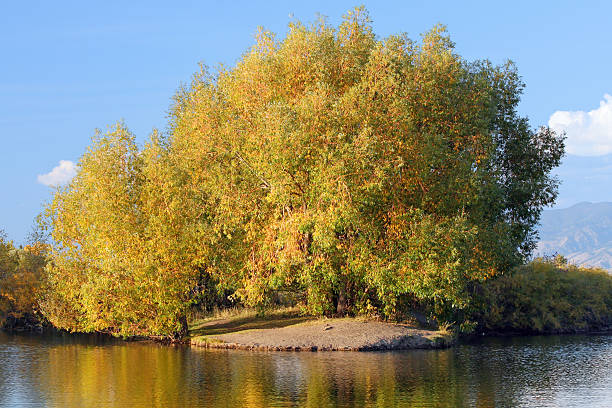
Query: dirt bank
[(328, 335)]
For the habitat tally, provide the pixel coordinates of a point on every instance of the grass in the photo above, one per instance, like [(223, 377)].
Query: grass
[(239, 319)]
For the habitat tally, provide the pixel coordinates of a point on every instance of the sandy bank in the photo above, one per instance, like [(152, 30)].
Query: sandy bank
[(329, 335)]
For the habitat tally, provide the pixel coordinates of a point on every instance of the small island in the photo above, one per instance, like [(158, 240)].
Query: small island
[(289, 332), (345, 212), (348, 176)]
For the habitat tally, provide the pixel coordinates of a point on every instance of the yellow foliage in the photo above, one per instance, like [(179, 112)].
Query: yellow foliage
[(21, 275), (350, 170)]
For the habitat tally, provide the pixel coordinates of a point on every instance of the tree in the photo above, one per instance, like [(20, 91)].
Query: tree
[(357, 170), (109, 272), (21, 276), (353, 171)]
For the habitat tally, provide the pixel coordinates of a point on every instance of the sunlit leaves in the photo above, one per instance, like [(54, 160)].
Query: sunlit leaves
[(21, 277), (351, 167), (351, 171)]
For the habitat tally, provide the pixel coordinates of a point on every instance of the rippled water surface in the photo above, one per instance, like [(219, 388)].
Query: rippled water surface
[(564, 371)]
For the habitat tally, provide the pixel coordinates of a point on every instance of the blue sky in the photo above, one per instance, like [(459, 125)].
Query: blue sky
[(67, 68)]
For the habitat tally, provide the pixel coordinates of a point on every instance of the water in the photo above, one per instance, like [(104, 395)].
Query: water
[(553, 371)]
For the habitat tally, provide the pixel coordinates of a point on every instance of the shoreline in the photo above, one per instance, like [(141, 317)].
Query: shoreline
[(341, 334), (283, 330)]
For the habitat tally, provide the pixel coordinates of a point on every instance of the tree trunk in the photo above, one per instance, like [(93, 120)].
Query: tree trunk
[(341, 308), (182, 332)]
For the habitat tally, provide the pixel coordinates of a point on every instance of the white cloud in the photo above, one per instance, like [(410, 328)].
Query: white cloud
[(61, 174), (588, 133)]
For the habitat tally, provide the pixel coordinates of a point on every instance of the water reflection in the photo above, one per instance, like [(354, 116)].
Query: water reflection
[(88, 372)]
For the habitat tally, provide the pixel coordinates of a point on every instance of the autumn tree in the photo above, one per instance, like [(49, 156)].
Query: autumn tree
[(356, 170), (21, 279), (352, 171), (111, 270)]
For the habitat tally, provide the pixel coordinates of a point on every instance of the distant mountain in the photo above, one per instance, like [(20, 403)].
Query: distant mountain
[(584, 177), (582, 233)]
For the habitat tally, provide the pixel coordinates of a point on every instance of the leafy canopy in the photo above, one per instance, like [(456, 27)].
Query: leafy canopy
[(351, 171), (21, 275), (359, 170)]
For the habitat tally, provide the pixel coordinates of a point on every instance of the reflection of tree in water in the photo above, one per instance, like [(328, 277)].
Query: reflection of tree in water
[(81, 376), (382, 379), (497, 372)]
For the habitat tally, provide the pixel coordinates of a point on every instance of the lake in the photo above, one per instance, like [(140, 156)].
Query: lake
[(84, 371)]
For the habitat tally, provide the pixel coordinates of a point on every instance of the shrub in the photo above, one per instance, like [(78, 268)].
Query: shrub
[(547, 296)]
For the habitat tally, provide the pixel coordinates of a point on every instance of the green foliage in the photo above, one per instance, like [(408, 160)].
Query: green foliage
[(547, 296), (348, 170)]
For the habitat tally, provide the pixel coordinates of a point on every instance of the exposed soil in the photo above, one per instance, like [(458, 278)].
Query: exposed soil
[(328, 335)]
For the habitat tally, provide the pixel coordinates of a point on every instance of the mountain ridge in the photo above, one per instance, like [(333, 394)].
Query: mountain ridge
[(582, 233)]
